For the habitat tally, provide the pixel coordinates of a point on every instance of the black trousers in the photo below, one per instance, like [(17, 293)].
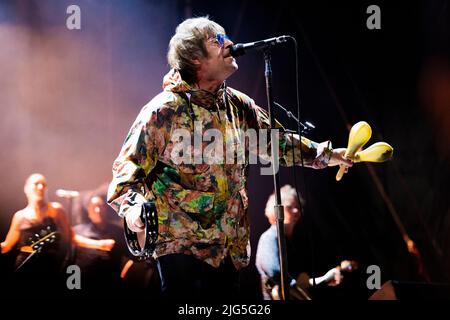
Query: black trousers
[(185, 278)]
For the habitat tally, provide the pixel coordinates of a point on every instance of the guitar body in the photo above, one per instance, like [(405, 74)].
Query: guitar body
[(301, 289)]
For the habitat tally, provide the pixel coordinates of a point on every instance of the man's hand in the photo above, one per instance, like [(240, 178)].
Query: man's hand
[(337, 158), (133, 218), (107, 244), (333, 277)]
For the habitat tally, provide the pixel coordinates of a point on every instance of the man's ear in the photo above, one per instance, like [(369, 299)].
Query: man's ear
[(196, 62)]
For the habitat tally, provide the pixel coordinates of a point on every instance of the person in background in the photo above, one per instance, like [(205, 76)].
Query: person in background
[(267, 259), (44, 239), (101, 269)]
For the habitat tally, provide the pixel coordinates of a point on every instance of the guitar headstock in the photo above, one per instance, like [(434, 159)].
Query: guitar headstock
[(42, 239)]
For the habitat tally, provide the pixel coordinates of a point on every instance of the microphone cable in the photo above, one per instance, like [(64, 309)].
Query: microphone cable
[(311, 233)]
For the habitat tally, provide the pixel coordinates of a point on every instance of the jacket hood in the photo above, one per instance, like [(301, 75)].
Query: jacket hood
[(172, 82)]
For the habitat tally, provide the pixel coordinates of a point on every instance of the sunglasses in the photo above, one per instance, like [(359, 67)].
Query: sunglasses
[(221, 38)]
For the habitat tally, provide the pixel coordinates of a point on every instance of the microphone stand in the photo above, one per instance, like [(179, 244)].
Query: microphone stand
[(72, 247), (279, 209), (302, 128), (69, 198)]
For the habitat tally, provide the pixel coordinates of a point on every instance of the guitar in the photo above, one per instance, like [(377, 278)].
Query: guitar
[(303, 282), (149, 218), (38, 243)]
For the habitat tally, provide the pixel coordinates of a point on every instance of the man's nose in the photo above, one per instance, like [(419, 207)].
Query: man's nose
[(228, 43)]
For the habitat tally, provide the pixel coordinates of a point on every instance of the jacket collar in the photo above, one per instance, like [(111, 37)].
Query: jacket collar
[(174, 83)]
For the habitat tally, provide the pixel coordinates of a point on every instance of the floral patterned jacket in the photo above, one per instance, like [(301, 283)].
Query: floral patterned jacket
[(202, 207)]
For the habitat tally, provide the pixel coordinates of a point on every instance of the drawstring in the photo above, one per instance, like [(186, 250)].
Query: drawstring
[(187, 96), (191, 110), (225, 98), (218, 109)]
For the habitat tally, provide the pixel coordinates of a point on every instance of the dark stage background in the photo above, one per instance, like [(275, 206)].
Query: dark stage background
[(68, 98)]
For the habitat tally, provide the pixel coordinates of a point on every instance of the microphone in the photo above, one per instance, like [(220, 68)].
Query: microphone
[(307, 126), (240, 49), (62, 193)]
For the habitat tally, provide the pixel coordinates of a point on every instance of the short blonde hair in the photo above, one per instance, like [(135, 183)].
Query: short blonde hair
[(288, 196), (188, 43)]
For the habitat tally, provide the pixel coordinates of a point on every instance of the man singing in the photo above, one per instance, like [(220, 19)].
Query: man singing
[(202, 205)]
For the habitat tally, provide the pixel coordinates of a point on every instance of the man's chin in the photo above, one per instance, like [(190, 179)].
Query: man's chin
[(38, 198), (232, 69)]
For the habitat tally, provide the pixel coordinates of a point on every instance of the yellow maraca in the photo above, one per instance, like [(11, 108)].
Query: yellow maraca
[(358, 137), (378, 152)]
